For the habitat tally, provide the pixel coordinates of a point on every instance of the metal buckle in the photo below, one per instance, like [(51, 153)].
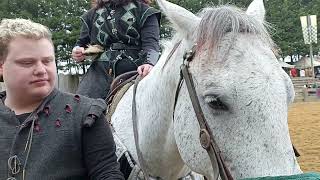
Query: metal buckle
[(14, 164), (205, 139)]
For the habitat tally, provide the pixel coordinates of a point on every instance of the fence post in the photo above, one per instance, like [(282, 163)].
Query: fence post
[(305, 93), (68, 83)]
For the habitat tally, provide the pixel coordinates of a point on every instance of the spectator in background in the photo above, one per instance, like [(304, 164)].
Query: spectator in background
[(293, 72), (302, 73)]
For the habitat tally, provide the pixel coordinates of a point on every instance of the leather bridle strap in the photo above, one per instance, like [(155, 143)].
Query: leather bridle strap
[(206, 139), (175, 47), (135, 130)]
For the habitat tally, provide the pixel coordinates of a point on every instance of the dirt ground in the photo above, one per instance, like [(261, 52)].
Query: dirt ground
[(304, 125)]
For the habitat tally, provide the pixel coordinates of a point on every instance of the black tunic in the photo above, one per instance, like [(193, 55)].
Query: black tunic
[(134, 26)]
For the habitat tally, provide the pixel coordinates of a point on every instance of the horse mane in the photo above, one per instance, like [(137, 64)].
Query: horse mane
[(216, 22)]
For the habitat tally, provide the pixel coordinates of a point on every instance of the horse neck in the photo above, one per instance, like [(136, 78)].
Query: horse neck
[(164, 79), (155, 100)]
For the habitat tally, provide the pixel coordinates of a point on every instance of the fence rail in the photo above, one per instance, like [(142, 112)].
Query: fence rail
[(66, 83)]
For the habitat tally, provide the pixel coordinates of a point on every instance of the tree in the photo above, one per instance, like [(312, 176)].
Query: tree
[(61, 16), (282, 15)]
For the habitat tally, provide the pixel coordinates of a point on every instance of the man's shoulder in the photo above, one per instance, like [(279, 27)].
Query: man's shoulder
[(89, 13), (146, 10), (80, 106), (137, 5), (80, 100)]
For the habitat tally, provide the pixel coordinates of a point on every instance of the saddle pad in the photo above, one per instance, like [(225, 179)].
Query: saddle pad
[(116, 99)]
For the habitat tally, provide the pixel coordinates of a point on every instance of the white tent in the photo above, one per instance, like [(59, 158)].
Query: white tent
[(285, 65)]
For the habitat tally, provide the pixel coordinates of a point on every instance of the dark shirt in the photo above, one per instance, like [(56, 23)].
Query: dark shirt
[(94, 150), (97, 147), (150, 34), (147, 28), (98, 150), (22, 117)]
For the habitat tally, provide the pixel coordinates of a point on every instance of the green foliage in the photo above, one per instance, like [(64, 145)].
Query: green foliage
[(282, 15), (62, 17)]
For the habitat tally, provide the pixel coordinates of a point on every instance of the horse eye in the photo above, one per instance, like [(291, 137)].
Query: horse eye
[(214, 102)]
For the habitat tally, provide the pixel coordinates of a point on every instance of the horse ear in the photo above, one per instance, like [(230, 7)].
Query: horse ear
[(257, 10), (181, 18)]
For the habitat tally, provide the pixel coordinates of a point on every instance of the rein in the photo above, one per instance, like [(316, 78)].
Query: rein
[(206, 138), (135, 129)]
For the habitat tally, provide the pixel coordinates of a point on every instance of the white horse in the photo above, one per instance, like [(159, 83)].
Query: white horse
[(242, 89)]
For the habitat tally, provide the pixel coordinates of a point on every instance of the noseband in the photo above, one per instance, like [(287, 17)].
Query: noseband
[(206, 137)]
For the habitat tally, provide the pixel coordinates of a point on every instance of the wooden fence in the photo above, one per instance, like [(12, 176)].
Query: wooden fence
[(66, 83)]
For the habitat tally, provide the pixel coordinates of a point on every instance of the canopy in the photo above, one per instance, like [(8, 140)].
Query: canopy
[(285, 65), (305, 62)]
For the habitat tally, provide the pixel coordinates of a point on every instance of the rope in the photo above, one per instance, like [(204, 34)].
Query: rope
[(28, 148)]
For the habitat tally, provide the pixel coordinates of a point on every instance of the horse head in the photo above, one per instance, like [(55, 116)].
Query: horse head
[(242, 90)]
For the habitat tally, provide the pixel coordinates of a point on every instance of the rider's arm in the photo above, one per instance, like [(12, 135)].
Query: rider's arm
[(86, 25), (150, 36)]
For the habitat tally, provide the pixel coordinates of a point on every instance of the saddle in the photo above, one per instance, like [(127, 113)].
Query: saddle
[(118, 87)]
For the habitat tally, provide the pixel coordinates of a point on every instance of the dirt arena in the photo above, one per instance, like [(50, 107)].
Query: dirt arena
[(304, 125)]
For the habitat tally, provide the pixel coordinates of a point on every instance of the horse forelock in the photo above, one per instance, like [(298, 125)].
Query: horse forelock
[(217, 22)]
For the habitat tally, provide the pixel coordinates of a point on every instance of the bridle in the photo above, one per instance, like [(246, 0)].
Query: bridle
[(206, 137), (207, 140)]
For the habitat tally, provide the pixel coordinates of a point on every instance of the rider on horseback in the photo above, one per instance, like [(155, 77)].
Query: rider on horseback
[(128, 32)]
